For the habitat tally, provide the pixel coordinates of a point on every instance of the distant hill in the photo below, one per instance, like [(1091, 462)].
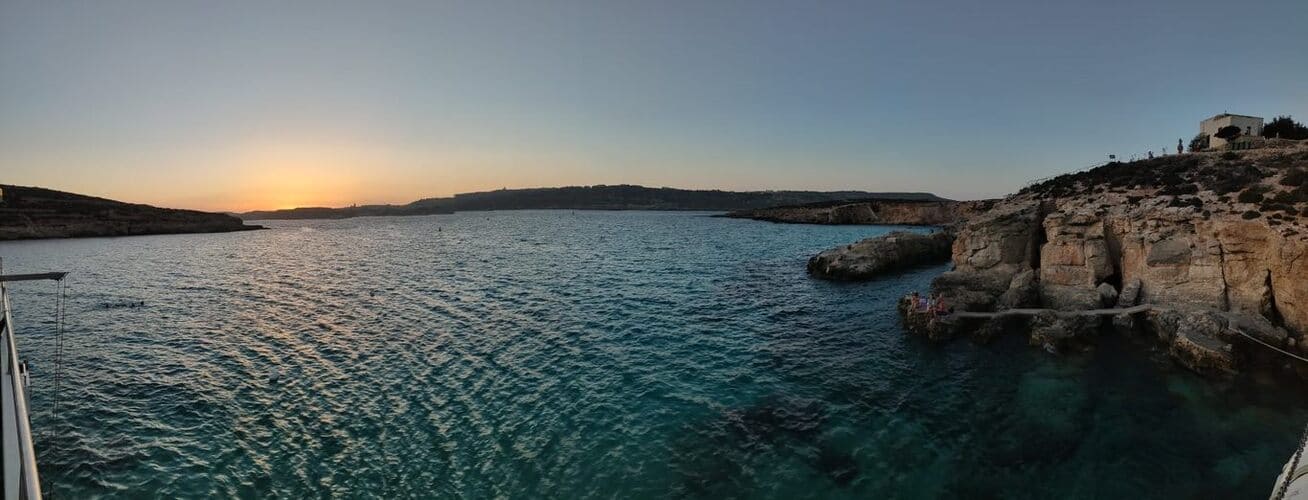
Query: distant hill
[(415, 208), (30, 212), (601, 197)]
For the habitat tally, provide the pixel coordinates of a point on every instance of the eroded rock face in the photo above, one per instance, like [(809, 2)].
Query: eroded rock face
[(1202, 352), (1004, 238), (1211, 342), (1180, 246), (990, 252), (1023, 291), (874, 256)]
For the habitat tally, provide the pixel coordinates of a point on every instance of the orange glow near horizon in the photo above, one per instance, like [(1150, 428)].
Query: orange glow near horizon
[(290, 175), (280, 171)]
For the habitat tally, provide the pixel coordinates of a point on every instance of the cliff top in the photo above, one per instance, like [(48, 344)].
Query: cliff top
[(1269, 184)]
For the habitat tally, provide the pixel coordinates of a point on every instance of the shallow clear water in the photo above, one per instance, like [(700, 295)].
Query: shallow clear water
[(584, 355)]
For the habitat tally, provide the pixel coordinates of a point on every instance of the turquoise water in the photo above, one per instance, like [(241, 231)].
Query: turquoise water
[(552, 354)]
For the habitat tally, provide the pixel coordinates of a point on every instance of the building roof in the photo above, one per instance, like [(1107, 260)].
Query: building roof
[(1224, 115)]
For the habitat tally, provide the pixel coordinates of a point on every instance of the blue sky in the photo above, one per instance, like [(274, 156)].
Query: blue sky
[(236, 105)]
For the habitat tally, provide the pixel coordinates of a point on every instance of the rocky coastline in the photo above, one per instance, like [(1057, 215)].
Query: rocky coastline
[(597, 197), (34, 213), (874, 256), (1208, 252), (872, 211)]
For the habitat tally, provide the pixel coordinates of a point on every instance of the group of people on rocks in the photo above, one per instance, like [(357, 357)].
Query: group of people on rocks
[(933, 304)]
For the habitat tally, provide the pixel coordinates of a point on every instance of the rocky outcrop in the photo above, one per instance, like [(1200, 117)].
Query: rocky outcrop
[(1217, 244), (874, 256), (990, 251), (888, 212), (27, 213)]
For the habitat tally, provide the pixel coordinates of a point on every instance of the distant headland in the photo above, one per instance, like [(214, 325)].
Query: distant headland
[(31, 212), (598, 197)]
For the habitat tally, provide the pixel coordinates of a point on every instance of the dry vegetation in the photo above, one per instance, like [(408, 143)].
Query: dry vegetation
[(1270, 183)]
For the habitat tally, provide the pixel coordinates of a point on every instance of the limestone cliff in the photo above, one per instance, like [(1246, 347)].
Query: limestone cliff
[(891, 212), (1217, 241)]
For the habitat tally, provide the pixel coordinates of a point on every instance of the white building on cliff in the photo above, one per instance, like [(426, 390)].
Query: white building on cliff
[(1249, 125)]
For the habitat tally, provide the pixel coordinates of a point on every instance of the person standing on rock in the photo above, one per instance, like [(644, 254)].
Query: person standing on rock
[(940, 309), (1180, 148)]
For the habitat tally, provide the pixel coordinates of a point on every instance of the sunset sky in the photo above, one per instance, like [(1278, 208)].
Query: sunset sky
[(260, 105)]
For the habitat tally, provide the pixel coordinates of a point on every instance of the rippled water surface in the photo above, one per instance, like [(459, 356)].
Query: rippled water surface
[(583, 355)]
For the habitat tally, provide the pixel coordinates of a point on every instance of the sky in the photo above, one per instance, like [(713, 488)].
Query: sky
[(261, 105)]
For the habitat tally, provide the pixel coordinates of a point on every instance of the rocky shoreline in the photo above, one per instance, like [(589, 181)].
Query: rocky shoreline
[(35, 213), (879, 211), (1214, 244), (881, 254), (597, 197)]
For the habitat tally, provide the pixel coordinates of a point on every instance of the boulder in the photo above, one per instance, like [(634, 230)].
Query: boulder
[(973, 290), (1022, 292), (1130, 294), (1058, 334), (1163, 322), (1107, 295), (871, 257), (1210, 341), (1202, 352), (1259, 328)]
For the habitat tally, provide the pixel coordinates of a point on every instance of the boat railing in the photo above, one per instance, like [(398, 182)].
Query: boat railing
[(21, 479)]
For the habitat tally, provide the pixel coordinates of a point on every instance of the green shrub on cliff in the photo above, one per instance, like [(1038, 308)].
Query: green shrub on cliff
[(1273, 207), (1285, 127), (1292, 196), (1179, 188), (1294, 177), (1251, 214), (1252, 195)]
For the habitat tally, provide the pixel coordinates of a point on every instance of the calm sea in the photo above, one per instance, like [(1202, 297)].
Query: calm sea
[(558, 354)]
